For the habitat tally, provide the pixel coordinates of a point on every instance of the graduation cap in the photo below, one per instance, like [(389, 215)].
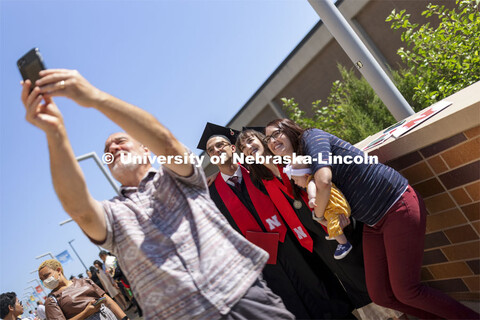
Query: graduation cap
[(216, 130), (259, 129)]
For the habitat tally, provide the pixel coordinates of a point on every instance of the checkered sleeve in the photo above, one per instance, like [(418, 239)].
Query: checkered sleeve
[(107, 210), (196, 179)]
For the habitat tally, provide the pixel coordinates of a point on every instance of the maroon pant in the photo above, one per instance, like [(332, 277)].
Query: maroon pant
[(393, 251)]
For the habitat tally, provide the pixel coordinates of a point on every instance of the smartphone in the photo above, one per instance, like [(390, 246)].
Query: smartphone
[(100, 300), (30, 65)]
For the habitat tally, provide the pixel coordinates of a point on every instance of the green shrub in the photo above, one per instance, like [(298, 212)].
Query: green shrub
[(439, 62), (445, 59), (353, 111)]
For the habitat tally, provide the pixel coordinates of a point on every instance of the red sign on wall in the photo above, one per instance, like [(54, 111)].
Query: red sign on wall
[(403, 126)]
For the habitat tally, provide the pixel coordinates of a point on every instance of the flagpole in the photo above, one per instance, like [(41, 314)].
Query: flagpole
[(27, 301), (70, 243), (45, 254), (34, 293), (38, 282), (100, 165)]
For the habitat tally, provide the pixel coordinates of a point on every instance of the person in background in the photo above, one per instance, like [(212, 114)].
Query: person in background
[(110, 266), (93, 274), (30, 316), (109, 284), (10, 306), (75, 299), (109, 262), (124, 286), (41, 310)]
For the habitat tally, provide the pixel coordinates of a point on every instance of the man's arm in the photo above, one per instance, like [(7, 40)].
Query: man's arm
[(71, 188), (67, 175), (138, 123)]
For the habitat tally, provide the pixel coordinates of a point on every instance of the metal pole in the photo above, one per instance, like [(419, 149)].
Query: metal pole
[(102, 168), (104, 171), (26, 301), (40, 285), (45, 254), (66, 221), (71, 245), (29, 303), (362, 58), (34, 294)]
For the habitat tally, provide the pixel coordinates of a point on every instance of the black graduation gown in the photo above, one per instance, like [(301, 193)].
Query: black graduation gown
[(307, 287), (350, 270)]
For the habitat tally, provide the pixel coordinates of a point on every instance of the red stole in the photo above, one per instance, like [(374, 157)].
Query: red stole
[(288, 190), (274, 188), (262, 203)]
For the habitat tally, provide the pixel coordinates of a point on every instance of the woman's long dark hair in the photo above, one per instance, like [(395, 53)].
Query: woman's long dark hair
[(95, 278), (258, 171), (98, 262), (293, 132)]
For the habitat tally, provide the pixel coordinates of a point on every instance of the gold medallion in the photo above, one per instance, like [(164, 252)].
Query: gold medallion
[(297, 204)]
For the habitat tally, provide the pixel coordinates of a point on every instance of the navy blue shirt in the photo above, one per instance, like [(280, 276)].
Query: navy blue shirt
[(370, 189)]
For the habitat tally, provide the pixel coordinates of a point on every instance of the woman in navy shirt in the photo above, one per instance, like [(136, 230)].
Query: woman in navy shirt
[(393, 214)]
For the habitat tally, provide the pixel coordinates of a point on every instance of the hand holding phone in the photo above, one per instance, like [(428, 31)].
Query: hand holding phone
[(100, 300), (30, 65)]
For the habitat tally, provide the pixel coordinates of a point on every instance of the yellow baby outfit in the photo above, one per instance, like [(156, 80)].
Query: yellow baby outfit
[(336, 206)]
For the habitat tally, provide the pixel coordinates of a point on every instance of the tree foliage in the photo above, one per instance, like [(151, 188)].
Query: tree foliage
[(443, 59), (353, 111), (439, 62)]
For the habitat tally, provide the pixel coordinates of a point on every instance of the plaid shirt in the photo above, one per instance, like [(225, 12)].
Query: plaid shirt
[(179, 253)]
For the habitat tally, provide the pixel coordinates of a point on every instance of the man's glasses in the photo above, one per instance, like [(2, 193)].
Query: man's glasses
[(274, 135), (218, 145)]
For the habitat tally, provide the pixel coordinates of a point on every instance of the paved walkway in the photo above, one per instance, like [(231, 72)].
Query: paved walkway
[(132, 315)]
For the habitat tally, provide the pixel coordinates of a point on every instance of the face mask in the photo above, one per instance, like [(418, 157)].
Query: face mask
[(51, 283)]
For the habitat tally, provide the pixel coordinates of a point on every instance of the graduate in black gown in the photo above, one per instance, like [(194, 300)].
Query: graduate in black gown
[(307, 287), (350, 270)]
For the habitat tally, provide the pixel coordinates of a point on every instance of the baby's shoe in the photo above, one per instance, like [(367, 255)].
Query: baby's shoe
[(342, 250)]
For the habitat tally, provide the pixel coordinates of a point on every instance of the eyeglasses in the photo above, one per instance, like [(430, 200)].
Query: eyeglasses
[(218, 145), (274, 135), (20, 303)]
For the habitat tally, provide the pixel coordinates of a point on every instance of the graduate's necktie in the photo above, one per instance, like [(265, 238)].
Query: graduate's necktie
[(235, 181)]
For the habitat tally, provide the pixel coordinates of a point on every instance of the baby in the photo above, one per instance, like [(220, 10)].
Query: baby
[(337, 205)]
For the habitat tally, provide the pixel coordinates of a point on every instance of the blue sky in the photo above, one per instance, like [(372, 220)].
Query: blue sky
[(186, 62)]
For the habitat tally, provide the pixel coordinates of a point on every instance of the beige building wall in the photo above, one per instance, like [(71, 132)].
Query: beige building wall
[(441, 160), (309, 71)]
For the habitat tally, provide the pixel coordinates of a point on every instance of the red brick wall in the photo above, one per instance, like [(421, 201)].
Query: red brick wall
[(447, 175)]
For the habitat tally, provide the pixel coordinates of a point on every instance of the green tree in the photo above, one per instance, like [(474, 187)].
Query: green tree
[(353, 111), (439, 62), (444, 59)]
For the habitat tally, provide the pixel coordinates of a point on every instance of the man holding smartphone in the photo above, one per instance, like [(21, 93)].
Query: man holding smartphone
[(182, 258)]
